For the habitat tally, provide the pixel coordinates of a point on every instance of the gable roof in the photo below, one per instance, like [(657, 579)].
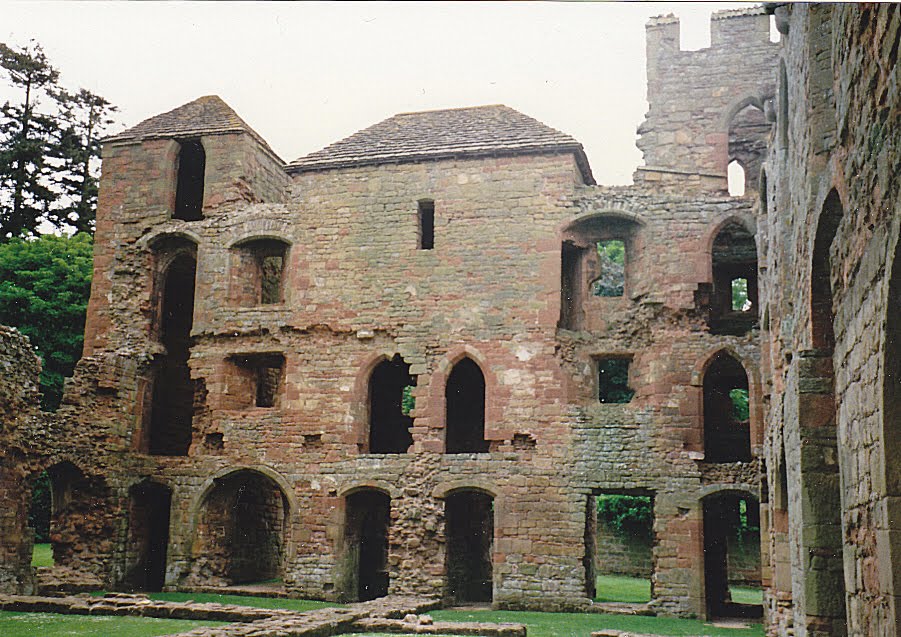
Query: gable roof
[(430, 135), (207, 115)]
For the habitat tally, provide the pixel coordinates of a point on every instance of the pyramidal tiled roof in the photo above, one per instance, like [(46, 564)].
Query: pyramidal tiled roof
[(458, 132), (207, 115)]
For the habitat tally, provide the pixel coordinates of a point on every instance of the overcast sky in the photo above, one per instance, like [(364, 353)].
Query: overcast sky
[(304, 75)]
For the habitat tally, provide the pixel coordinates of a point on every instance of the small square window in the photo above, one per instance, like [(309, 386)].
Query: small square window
[(613, 380), (261, 376)]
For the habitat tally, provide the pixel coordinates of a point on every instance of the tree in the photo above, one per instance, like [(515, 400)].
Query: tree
[(83, 118), (44, 287), (49, 158), (26, 135)]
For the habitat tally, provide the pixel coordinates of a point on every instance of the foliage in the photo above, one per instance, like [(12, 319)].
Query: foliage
[(631, 517), (39, 513), (612, 268), (740, 300), (613, 381), (407, 401), (44, 288), (49, 147), (740, 409)]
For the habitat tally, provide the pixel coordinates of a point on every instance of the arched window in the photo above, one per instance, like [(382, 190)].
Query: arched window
[(465, 398), (190, 181), (748, 135), (727, 430), (172, 401), (258, 272), (596, 263), (390, 401), (733, 303)]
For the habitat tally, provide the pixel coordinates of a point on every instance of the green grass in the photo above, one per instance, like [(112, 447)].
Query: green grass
[(620, 588), (243, 600), (579, 625), (31, 624), (42, 555), (746, 595)]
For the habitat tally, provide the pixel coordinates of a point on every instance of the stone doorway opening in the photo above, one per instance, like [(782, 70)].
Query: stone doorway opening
[(469, 516), (731, 554), (242, 530), (149, 508), (367, 522), (619, 547)]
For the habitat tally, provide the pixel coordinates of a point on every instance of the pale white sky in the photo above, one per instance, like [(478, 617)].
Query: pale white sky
[(306, 74)]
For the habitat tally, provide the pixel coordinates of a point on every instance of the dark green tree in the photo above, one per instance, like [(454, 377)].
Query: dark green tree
[(44, 287), (83, 117), (27, 136)]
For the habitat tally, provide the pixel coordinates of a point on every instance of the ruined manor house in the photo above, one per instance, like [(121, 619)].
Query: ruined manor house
[(411, 361)]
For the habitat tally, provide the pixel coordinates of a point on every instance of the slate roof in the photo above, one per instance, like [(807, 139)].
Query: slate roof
[(460, 132), (207, 115)]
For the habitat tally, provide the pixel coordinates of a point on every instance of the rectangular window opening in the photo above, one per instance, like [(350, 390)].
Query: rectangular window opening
[(613, 380), (271, 284), (611, 278), (426, 224), (740, 300)]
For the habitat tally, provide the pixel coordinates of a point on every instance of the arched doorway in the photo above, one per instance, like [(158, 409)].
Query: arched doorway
[(243, 529)]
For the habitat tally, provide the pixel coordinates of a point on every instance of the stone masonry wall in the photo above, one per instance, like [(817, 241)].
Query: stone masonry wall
[(837, 133)]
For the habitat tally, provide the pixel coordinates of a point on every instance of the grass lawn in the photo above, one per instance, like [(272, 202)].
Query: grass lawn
[(579, 625), (745, 595), (242, 600), (42, 555), (31, 624), (620, 588)]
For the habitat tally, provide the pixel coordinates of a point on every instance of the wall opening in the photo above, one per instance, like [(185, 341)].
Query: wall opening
[(727, 429), (172, 402), (148, 535), (613, 380), (732, 575), (242, 531), (189, 184), (255, 381), (40, 512), (258, 272), (621, 547), (596, 264), (891, 433), (465, 399), (470, 541), (366, 529), (611, 268), (734, 268), (736, 179), (426, 224), (389, 398), (748, 135)]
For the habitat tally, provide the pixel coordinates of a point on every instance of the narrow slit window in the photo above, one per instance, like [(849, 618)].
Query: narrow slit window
[(611, 278), (426, 224), (613, 381)]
